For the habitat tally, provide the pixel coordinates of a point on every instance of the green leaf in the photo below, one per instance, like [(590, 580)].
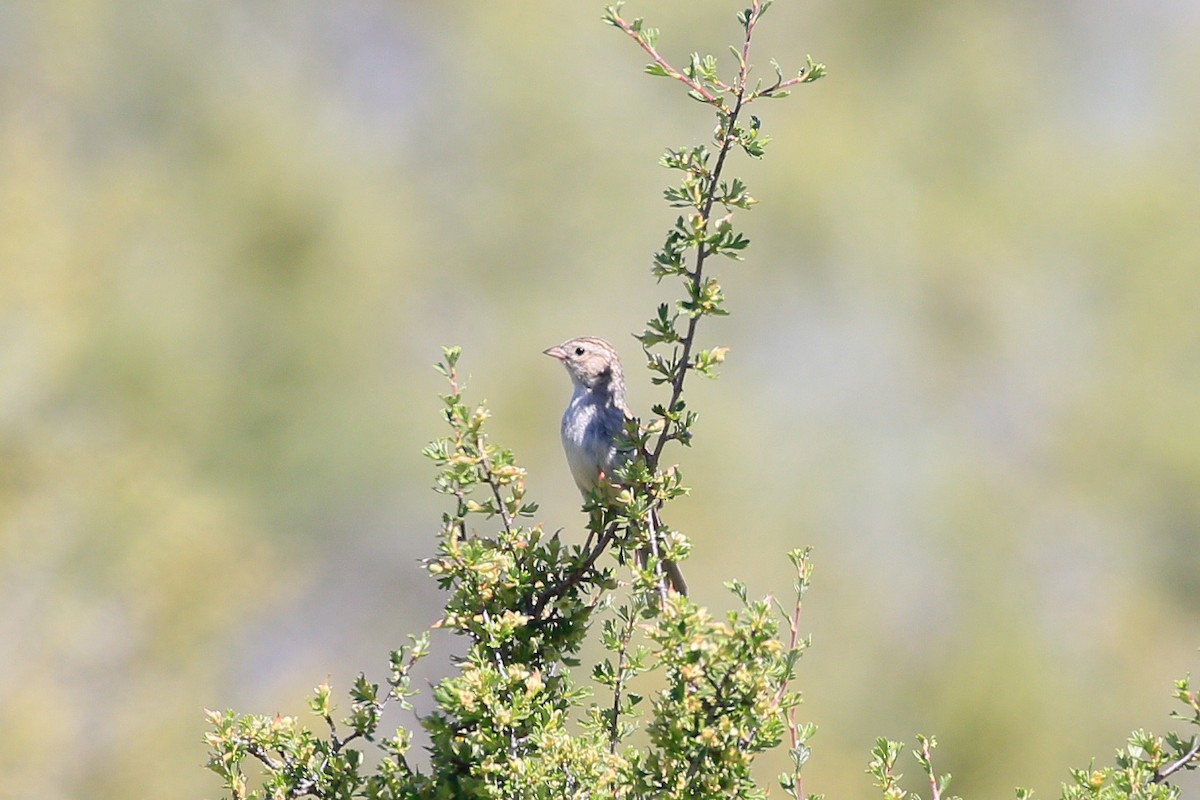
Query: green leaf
[(705, 361), (813, 71)]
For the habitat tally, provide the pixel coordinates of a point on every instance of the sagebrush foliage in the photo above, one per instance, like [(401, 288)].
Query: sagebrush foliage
[(515, 720)]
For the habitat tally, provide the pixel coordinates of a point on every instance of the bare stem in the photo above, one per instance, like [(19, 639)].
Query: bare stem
[(1179, 763), (501, 506), (264, 757), (576, 575), (780, 85), (333, 736)]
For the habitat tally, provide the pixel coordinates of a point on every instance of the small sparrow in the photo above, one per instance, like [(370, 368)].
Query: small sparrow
[(594, 420)]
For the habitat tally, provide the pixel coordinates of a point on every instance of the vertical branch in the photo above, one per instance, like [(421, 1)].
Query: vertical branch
[(614, 724), (935, 790), (696, 277), (798, 747), (489, 477), (727, 128)]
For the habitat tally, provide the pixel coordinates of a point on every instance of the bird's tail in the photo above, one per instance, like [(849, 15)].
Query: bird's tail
[(671, 571), (675, 577)]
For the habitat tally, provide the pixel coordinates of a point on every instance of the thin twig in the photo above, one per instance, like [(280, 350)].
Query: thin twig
[(793, 728), (460, 522), (614, 728), (264, 757), (781, 84), (696, 87), (793, 643), (576, 575), (338, 744), (490, 479), (935, 791), (333, 736), (587, 543), (751, 21), (356, 734), (1162, 774)]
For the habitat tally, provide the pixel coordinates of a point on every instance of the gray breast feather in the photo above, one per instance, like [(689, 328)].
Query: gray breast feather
[(590, 425)]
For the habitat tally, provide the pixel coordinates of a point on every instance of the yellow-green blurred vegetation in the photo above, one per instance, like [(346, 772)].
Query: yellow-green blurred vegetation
[(965, 354)]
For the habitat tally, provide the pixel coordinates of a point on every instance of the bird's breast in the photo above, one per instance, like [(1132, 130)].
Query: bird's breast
[(589, 427)]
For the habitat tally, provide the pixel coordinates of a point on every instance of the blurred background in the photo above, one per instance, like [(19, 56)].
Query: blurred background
[(965, 356)]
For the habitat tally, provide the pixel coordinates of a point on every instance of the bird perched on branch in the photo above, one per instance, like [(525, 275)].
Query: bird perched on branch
[(594, 420)]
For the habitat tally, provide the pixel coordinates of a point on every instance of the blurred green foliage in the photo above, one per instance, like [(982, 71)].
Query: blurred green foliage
[(965, 363)]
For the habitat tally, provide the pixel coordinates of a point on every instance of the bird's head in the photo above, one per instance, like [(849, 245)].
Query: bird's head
[(591, 362)]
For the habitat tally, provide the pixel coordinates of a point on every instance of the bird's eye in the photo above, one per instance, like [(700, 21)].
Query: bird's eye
[(578, 351)]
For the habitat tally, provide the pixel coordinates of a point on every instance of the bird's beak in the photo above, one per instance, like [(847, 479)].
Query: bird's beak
[(556, 352)]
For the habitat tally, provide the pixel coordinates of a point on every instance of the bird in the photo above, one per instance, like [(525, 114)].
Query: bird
[(594, 420)]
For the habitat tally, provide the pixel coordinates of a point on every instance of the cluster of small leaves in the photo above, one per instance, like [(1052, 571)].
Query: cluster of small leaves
[(297, 762), (1141, 770), (1143, 767), (882, 768), (701, 74), (724, 701), (644, 491)]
